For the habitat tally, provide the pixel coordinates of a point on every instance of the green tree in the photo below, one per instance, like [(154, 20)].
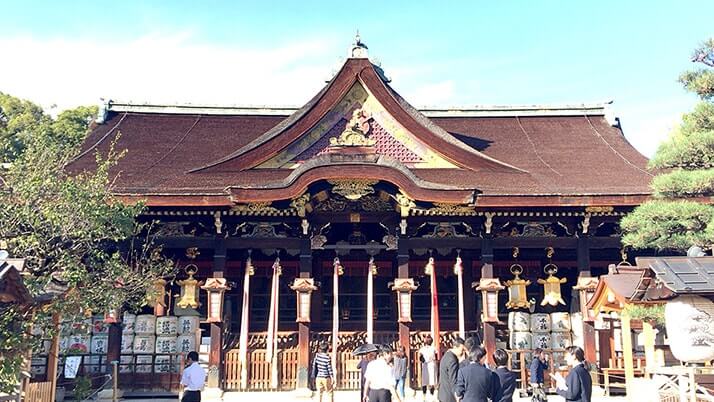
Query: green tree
[(79, 243), (680, 214), (20, 120)]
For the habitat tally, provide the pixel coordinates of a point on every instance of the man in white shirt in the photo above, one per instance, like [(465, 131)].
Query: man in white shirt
[(193, 379), (379, 384)]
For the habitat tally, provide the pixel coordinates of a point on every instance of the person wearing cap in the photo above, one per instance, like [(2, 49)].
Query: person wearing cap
[(379, 383)]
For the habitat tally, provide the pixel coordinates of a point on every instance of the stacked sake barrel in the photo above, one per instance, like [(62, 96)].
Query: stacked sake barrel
[(520, 336), (126, 361), (540, 326), (144, 342), (98, 346), (561, 335)]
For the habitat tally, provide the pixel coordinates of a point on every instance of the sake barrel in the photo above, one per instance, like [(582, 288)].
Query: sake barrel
[(163, 364), (166, 325), (99, 344), (540, 322), (128, 322), (560, 322), (64, 344), (126, 363), (690, 327), (79, 344), (99, 326), (541, 340), (186, 343), (95, 364), (188, 324), (518, 321), (520, 340), (82, 327), (145, 324), (144, 344), (44, 347), (561, 340), (143, 364), (165, 344), (127, 343), (38, 365)]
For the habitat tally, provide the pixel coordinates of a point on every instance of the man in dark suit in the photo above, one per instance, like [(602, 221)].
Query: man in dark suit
[(475, 382), (506, 377), (448, 369)]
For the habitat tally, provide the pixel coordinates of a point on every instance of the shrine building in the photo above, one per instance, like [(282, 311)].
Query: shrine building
[(360, 218)]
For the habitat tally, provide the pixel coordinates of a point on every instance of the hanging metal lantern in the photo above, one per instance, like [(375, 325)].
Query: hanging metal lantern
[(189, 289), (551, 286), (517, 296)]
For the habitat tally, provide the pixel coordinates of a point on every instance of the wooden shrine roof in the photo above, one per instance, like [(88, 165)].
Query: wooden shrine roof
[(683, 275), (489, 156)]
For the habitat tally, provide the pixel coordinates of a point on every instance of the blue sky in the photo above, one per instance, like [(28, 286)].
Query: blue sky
[(437, 53)]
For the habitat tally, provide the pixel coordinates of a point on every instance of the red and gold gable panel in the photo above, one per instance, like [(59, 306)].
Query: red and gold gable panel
[(359, 112)]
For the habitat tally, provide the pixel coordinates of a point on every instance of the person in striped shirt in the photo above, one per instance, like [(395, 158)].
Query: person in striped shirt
[(322, 372)]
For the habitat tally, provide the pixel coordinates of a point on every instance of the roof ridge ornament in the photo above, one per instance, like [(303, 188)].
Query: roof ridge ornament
[(358, 50)]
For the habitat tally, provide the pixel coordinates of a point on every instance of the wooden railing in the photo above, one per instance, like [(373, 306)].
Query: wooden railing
[(38, 392)]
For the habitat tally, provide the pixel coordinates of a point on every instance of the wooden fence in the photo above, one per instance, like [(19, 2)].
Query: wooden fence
[(38, 392), (259, 370)]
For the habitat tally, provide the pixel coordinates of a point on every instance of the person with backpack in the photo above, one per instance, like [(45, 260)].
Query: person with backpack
[(322, 372)]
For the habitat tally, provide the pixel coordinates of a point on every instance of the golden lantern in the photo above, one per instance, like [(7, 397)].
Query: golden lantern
[(303, 288), (551, 286), (517, 297), (489, 288), (189, 289), (215, 287)]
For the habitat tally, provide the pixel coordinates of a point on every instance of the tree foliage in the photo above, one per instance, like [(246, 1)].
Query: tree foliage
[(681, 214), (77, 240)]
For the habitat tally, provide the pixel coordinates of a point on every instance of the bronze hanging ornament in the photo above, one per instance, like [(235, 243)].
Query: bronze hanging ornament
[(189, 289), (517, 297)]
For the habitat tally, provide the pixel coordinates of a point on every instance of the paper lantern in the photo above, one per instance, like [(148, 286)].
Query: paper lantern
[(551, 286), (216, 287), (489, 288), (303, 288), (517, 297), (404, 288)]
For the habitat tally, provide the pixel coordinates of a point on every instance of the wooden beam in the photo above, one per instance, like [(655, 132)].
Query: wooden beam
[(627, 355), (489, 329), (303, 366), (649, 341), (53, 357)]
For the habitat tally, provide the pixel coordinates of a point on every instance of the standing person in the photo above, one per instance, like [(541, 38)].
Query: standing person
[(427, 357), (399, 370), (362, 366), (378, 385), (538, 365), (475, 382), (448, 370), (506, 377), (192, 379), (322, 372), (470, 343), (577, 386)]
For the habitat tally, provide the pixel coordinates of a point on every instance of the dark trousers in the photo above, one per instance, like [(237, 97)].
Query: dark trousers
[(191, 396), (379, 395)]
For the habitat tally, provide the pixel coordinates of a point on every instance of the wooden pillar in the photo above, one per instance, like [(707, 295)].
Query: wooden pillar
[(589, 340), (627, 355), (113, 345), (53, 357), (649, 341), (215, 355), (403, 272), (303, 369), (489, 329)]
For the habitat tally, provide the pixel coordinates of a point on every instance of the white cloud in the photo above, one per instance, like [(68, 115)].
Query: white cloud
[(163, 68)]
